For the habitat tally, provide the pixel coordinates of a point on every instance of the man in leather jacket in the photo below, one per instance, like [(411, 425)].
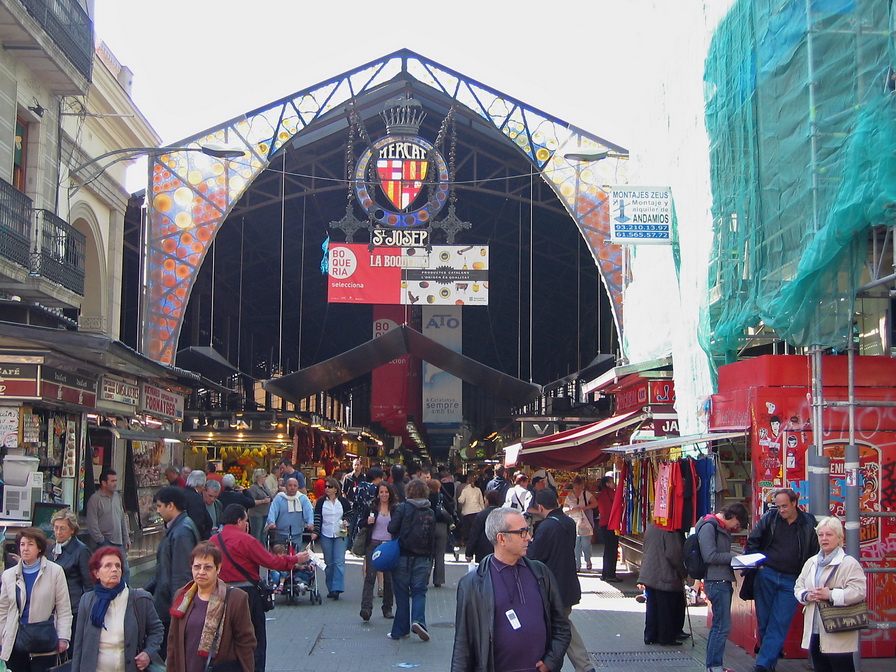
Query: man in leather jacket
[(533, 632), (786, 535)]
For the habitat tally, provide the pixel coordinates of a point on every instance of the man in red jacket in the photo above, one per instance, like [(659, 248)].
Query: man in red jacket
[(241, 549)]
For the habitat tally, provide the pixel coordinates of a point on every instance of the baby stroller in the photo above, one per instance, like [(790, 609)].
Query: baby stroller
[(301, 579)]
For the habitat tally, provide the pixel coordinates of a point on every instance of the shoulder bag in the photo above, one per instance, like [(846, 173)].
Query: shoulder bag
[(265, 593), (212, 665), (39, 637), (843, 618)]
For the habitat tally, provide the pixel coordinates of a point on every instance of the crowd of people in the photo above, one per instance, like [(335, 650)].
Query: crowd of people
[(207, 599)]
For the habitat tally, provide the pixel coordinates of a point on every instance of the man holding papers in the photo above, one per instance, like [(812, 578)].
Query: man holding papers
[(714, 534), (786, 535)]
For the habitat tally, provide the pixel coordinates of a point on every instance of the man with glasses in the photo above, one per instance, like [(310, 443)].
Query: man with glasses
[(245, 551), (510, 615), (786, 536)]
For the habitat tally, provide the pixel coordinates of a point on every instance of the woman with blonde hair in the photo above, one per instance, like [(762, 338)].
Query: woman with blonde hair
[(831, 577), (73, 556), (258, 514)]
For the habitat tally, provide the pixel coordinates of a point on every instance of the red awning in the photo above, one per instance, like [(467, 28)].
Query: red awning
[(577, 448)]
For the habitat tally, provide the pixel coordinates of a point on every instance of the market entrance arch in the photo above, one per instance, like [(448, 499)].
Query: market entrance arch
[(191, 194)]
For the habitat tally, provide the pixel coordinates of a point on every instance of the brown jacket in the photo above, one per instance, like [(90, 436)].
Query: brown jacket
[(237, 639)]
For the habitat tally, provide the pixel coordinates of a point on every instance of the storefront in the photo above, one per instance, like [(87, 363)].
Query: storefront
[(769, 396)]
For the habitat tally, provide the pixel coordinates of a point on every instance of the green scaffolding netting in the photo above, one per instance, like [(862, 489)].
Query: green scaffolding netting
[(802, 126)]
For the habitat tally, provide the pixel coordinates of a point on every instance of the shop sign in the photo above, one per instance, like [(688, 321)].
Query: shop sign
[(632, 398), (537, 430), (119, 391), (74, 388), (18, 380), (161, 403)]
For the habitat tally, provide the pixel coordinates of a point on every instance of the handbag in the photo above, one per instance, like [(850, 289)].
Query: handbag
[(39, 637), (211, 665), (386, 556), (843, 618), (359, 545), (265, 592), (61, 666), (748, 586)]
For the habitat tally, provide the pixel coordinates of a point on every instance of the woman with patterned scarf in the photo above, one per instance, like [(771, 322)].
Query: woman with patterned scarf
[(210, 620), (118, 628)]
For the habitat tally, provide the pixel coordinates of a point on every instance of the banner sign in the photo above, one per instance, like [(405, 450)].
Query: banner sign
[(448, 275), (442, 392), (161, 403), (67, 386), (18, 380), (395, 391), (641, 215)]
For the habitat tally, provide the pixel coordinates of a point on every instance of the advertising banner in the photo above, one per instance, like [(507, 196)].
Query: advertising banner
[(395, 386), (447, 275), (442, 392), (640, 215)]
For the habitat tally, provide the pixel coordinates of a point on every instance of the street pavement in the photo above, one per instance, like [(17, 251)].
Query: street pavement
[(332, 637)]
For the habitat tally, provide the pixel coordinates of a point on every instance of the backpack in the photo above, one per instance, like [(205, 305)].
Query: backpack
[(418, 536), (691, 556)]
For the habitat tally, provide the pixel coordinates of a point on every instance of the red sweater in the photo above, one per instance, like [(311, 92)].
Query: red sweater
[(248, 552)]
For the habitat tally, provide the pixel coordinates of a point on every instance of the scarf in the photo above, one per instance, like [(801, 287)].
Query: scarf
[(823, 561), (293, 503), (213, 617), (104, 597)]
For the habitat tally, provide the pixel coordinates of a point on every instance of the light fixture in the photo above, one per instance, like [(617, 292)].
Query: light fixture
[(216, 151), (595, 156), (38, 109)]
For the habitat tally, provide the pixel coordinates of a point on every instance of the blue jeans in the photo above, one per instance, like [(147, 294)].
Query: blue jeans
[(409, 580), (583, 550), (775, 606), (719, 594), (334, 556)]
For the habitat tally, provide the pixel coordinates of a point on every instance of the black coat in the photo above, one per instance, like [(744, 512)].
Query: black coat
[(195, 508), (231, 496), (478, 545), (75, 560), (555, 545), (173, 564)]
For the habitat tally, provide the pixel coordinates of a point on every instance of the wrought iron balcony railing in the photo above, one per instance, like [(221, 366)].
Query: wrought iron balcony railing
[(15, 224), (60, 257), (70, 28)]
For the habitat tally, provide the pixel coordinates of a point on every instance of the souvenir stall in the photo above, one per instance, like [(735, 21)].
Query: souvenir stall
[(769, 398)]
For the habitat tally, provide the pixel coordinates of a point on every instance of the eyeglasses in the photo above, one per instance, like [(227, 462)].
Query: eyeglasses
[(328, 487), (523, 532)]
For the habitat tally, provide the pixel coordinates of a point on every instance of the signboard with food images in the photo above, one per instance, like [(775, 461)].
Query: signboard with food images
[(448, 275)]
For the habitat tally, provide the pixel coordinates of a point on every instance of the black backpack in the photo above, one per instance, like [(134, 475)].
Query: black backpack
[(693, 559), (418, 535)]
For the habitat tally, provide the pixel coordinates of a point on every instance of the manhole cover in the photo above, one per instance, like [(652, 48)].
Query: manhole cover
[(639, 659)]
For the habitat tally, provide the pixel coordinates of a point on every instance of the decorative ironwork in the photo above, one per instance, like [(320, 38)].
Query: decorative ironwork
[(60, 256), (190, 193), (15, 224), (71, 29), (451, 224)]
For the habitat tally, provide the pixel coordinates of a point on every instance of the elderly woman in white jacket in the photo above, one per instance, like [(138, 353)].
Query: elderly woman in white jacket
[(830, 651), (36, 589)]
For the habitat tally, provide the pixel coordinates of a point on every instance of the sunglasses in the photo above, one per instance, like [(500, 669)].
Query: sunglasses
[(330, 487)]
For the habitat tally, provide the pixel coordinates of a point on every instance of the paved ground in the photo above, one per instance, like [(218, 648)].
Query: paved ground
[(333, 638)]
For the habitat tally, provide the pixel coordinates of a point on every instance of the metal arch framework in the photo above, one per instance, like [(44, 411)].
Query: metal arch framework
[(190, 194)]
